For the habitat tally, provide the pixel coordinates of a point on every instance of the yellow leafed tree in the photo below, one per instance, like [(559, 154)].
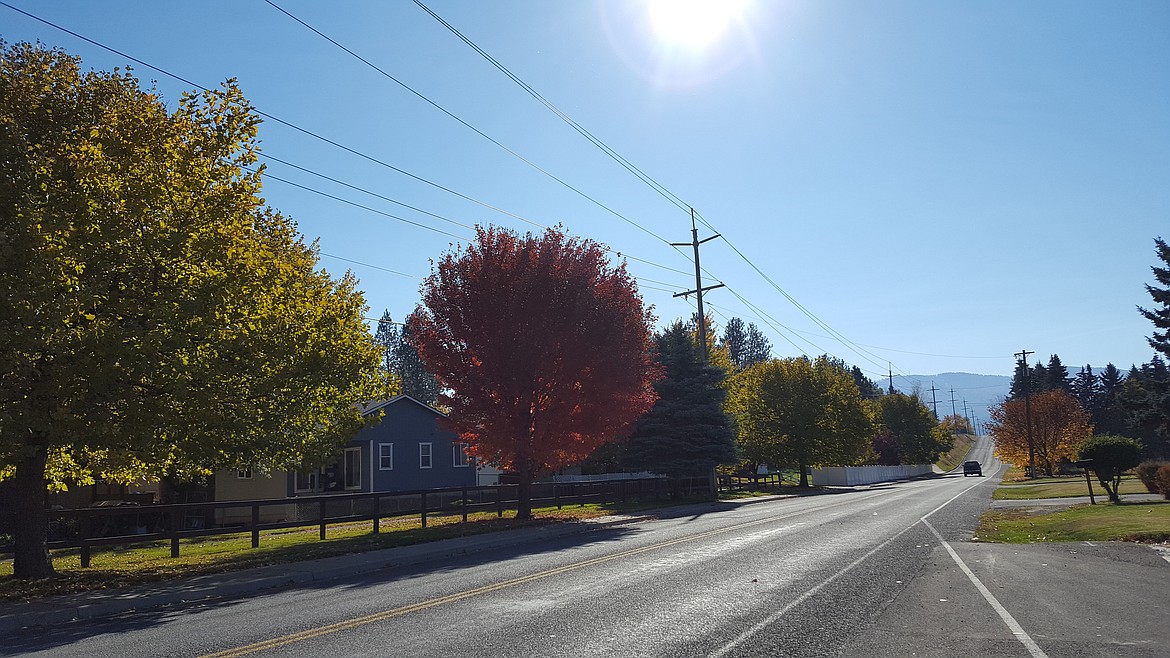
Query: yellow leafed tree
[(1059, 425)]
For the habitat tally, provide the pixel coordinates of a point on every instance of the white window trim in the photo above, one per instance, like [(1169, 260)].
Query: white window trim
[(244, 473), (430, 455), (381, 455), (345, 469), (460, 450)]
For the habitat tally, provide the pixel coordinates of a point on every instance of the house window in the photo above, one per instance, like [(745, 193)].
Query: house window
[(244, 473), (385, 456), (424, 455), (459, 455), (353, 468)]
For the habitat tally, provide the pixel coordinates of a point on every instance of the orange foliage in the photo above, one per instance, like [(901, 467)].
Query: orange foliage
[(1059, 425)]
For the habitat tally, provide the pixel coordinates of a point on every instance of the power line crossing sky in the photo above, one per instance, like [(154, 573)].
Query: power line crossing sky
[(932, 186)]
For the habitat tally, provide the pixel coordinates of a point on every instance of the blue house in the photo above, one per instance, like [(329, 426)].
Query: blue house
[(407, 449)]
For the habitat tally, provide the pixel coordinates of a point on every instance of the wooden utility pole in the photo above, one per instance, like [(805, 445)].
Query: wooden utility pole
[(1027, 375), (891, 367), (699, 289), (934, 400)]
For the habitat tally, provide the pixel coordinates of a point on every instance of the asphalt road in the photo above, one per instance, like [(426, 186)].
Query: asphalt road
[(876, 571)]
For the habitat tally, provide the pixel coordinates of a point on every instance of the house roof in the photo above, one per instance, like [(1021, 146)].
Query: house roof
[(375, 406)]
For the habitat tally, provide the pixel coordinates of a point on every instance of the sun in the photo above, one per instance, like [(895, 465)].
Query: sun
[(692, 24)]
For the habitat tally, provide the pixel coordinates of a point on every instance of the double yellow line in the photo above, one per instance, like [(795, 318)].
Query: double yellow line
[(355, 622)]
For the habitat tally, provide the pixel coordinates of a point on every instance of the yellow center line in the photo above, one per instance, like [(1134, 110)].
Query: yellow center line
[(355, 622)]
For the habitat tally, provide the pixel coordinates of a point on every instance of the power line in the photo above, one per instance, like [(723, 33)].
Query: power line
[(326, 140), (617, 157), (468, 125)]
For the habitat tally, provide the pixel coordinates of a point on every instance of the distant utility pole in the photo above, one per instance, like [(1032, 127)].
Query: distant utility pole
[(954, 412), (891, 366), (699, 289), (934, 400), (965, 414), (1027, 375)]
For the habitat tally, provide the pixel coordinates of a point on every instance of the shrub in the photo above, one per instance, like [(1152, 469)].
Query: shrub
[(1111, 455), (1162, 477), (1147, 472)]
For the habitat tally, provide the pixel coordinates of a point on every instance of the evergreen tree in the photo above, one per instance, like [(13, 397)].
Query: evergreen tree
[(870, 389), (687, 431), (735, 341), (758, 348), (1039, 379), (1020, 381), (1109, 417), (1086, 388), (745, 343), (385, 336), (1160, 314), (1056, 377), (400, 359), (416, 380)]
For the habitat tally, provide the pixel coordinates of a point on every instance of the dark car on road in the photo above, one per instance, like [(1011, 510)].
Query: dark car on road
[(972, 468)]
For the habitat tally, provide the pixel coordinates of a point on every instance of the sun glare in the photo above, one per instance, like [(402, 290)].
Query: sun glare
[(693, 24)]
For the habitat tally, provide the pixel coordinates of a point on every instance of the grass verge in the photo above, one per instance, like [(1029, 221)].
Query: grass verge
[(1140, 522), (958, 452), (1065, 488), (150, 562)]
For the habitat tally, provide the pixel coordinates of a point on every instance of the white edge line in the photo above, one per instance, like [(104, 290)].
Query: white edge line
[(772, 618), (1012, 624)]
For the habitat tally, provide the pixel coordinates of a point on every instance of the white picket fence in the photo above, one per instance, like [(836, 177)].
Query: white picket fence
[(850, 475)]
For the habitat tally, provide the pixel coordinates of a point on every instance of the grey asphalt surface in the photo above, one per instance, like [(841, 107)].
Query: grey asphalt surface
[(856, 573)]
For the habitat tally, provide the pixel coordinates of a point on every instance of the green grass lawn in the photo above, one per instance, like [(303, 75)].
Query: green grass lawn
[(1144, 522), (1064, 488)]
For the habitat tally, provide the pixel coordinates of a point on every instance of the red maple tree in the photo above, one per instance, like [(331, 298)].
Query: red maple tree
[(541, 345)]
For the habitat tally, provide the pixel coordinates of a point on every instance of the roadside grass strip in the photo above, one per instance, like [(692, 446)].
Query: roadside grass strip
[(957, 454), (151, 562), (1139, 522), (1064, 488)]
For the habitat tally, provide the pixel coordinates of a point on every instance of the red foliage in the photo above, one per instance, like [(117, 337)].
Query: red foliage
[(542, 346)]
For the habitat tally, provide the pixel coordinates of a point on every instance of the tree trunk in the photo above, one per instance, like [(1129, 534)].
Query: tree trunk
[(1110, 488), (30, 558), (524, 495), (804, 476)]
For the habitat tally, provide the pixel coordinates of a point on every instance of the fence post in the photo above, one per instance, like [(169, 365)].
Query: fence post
[(423, 505), (255, 525), (174, 533), (82, 532), (465, 504), (377, 513), (321, 518), (499, 501), (557, 495)]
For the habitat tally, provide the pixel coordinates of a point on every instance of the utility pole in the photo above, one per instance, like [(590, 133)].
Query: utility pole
[(934, 400), (699, 289), (954, 412), (891, 366), (965, 414), (1027, 375)]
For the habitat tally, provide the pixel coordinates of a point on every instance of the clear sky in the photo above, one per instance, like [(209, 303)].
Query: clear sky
[(933, 185)]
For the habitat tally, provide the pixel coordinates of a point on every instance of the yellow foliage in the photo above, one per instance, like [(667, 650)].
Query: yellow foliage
[(1059, 426)]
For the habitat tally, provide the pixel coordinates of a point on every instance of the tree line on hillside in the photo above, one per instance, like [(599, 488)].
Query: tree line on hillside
[(1051, 418)]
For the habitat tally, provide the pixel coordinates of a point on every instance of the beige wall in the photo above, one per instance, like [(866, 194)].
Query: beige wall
[(272, 485)]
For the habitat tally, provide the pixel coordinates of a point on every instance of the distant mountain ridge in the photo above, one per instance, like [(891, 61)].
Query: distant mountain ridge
[(980, 391)]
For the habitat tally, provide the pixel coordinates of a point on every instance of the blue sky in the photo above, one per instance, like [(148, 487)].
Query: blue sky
[(938, 185)]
